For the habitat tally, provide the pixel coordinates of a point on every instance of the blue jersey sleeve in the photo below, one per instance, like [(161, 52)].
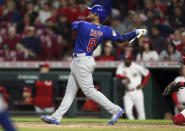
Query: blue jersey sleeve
[(115, 36), (76, 25)]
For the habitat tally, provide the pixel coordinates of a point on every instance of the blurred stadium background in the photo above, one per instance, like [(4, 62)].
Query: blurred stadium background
[(36, 34)]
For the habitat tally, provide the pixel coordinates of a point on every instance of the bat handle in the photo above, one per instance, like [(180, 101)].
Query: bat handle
[(130, 43)]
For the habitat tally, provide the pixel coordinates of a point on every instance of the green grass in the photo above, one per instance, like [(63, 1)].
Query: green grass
[(37, 119)]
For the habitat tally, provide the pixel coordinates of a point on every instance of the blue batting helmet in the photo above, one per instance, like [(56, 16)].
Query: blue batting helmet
[(99, 11)]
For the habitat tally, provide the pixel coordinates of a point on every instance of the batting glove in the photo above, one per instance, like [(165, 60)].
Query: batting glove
[(143, 31), (172, 87)]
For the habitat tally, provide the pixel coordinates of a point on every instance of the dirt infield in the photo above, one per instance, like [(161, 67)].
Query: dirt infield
[(92, 125)]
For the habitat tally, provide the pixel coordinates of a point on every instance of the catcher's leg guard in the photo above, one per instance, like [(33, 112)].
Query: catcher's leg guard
[(179, 119)]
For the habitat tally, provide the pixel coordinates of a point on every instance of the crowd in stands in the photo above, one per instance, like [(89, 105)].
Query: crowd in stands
[(41, 29)]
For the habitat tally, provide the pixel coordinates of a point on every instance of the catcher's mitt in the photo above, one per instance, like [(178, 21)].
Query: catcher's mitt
[(172, 87)]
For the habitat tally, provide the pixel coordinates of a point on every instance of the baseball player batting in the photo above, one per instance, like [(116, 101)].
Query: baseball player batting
[(179, 119), (90, 35)]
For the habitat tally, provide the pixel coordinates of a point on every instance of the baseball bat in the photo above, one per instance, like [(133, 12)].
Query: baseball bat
[(131, 42)]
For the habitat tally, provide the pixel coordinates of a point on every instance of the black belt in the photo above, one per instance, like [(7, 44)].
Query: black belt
[(81, 54)]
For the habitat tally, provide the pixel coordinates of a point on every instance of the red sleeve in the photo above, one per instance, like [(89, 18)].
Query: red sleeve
[(179, 47), (146, 79), (182, 84), (121, 77), (175, 99)]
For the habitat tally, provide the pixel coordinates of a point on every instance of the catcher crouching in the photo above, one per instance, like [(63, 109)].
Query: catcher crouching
[(178, 119)]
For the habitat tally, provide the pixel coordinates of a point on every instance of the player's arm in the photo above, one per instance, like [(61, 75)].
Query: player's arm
[(146, 78), (121, 76), (144, 72), (175, 98), (125, 37), (76, 25), (176, 101), (182, 84), (115, 36), (173, 87), (119, 73)]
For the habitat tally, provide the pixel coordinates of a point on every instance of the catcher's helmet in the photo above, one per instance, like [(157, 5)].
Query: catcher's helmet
[(99, 11)]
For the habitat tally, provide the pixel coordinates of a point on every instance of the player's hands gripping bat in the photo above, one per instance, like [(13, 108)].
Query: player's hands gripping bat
[(140, 32), (172, 87)]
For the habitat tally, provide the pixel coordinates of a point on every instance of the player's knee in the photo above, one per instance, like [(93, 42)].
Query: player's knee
[(88, 91), (179, 119)]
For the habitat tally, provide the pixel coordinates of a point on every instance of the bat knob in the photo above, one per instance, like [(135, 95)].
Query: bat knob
[(130, 44)]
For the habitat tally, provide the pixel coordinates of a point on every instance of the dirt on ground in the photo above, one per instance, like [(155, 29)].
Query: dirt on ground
[(85, 125)]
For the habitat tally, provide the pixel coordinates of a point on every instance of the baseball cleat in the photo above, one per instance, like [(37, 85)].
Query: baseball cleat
[(115, 117), (50, 120)]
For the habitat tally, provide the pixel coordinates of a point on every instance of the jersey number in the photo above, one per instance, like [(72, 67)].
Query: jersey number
[(92, 43)]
